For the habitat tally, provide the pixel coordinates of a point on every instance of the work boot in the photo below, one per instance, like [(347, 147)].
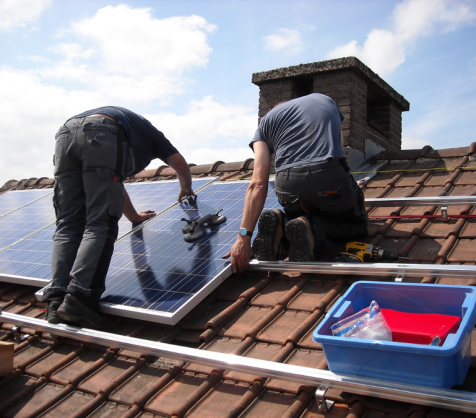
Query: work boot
[(301, 240), (270, 231), (51, 312), (73, 311)]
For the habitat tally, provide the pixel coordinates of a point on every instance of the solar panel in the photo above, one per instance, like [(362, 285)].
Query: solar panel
[(157, 276), (157, 196), (26, 238), (15, 199), (29, 261), (26, 220)]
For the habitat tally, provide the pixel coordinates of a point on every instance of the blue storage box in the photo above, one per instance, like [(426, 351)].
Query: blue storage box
[(440, 366)]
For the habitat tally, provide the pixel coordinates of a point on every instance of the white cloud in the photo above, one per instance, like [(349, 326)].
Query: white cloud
[(31, 113), (18, 13), (209, 130), (414, 143), (284, 39), (210, 155), (120, 55), (126, 54), (384, 50)]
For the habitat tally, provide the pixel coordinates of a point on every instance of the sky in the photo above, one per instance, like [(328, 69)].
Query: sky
[(186, 65)]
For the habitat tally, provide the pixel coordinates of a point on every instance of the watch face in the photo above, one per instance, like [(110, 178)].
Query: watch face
[(243, 232)]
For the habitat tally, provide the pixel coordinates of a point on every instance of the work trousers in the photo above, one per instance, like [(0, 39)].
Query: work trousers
[(328, 196), (88, 200)]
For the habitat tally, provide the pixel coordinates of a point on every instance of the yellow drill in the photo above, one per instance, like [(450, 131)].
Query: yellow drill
[(360, 252)]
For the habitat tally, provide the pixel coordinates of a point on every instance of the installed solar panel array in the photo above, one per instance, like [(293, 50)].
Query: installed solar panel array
[(154, 273), (27, 227)]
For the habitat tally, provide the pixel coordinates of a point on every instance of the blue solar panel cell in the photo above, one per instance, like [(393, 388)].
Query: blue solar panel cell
[(14, 199), (156, 270), (26, 220), (29, 258)]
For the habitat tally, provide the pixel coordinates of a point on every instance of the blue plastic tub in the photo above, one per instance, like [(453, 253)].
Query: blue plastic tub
[(439, 366)]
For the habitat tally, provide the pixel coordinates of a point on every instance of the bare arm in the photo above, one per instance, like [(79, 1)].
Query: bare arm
[(131, 213), (255, 198), (178, 163)]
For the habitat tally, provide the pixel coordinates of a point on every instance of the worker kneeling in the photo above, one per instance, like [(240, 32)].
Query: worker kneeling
[(323, 205)]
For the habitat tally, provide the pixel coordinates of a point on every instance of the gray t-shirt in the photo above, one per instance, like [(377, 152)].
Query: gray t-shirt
[(302, 131)]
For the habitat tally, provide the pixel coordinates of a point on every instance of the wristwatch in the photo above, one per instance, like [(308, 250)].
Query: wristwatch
[(243, 232)]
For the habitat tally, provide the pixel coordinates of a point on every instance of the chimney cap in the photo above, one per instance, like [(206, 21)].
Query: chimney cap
[(339, 64)]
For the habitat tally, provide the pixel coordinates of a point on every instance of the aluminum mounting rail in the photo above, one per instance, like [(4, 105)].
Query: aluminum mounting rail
[(421, 201), (323, 379), (368, 269)]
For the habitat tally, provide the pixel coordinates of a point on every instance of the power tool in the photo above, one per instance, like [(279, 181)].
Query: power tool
[(360, 252)]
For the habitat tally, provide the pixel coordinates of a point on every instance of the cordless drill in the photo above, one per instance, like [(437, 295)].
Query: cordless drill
[(360, 252)]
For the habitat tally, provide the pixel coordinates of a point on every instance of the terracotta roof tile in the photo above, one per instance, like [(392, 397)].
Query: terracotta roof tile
[(144, 384), (276, 404), (300, 357), (181, 394)]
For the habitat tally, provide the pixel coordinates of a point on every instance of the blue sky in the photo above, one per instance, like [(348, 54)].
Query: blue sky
[(186, 65)]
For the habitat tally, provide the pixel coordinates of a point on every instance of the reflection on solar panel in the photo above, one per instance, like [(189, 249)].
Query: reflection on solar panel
[(156, 196), (15, 199), (26, 245), (27, 219), (156, 275)]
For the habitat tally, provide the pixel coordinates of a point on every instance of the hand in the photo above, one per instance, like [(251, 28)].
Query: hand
[(185, 193), (240, 254), (142, 216)]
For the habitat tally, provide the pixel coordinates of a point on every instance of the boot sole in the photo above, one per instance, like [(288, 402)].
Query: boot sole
[(300, 247), (264, 243)]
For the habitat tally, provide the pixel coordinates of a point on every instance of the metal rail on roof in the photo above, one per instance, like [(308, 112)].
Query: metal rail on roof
[(324, 380), (421, 201), (368, 269)]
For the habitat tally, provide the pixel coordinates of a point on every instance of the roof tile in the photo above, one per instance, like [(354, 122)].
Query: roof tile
[(275, 404), (181, 394), (279, 330), (37, 402), (305, 358), (81, 367), (75, 401), (140, 387), (226, 399), (261, 351)]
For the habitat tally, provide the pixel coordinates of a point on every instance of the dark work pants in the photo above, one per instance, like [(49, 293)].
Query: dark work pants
[(88, 199), (329, 197)]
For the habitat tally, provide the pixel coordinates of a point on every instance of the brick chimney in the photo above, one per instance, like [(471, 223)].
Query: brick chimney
[(372, 109)]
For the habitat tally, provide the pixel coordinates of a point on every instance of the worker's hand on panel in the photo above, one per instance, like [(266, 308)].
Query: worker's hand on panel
[(185, 194), (240, 254), (142, 216)]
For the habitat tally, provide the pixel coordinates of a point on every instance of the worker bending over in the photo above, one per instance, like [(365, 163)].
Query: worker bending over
[(95, 151), (323, 205)]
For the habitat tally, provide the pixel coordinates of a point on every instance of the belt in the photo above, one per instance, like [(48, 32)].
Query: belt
[(330, 162)]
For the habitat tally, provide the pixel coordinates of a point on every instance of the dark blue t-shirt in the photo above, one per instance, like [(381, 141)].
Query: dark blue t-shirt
[(146, 141), (302, 131)]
